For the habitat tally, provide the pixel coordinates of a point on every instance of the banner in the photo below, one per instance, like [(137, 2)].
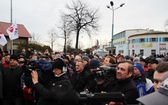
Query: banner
[(147, 45)]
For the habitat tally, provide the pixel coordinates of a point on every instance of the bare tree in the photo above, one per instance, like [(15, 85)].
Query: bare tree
[(35, 38), (52, 37), (166, 25), (81, 19), (66, 31)]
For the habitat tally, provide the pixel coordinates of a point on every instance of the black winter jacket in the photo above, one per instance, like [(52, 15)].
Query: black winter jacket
[(58, 91), (80, 80), (127, 87), (12, 82)]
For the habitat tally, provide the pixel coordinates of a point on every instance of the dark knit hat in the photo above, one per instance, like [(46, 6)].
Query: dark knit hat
[(59, 63), (15, 57), (94, 64)]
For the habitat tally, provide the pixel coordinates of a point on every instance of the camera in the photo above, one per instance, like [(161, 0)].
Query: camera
[(100, 98), (43, 68), (105, 72), (30, 65)]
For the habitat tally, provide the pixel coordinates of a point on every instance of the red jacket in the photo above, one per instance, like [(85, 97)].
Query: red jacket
[(6, 64), (28, 93)]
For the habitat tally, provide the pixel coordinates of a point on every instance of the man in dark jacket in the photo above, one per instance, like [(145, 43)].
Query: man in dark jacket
[(91, 85), (80, 77), (12, 90), (152, 64), (123, 82), (58, 90)]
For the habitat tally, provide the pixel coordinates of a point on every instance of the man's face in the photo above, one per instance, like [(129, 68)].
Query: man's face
[(56, 71), (136, 73), (143, 63), (122, 71), (77, 59), (152, 66), (157, 77), (106, 61), (85, 62), (7, 58), (23, 50), (13, 63), (29, 49), (79, 67)]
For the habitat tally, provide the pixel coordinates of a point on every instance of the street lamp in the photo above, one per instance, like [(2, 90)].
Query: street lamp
[(112, 31)]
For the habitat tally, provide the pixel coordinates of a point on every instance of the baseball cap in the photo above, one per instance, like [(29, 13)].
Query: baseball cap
[(159, 97)]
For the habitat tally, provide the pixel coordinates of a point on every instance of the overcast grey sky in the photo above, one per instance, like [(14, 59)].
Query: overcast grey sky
[(39, 16)]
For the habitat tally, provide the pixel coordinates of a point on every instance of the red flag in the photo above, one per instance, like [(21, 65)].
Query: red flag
[(3, 40)]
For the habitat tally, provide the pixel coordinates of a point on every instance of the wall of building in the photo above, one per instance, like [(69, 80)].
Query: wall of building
[(122, 49), (121, 40), (159, 46)]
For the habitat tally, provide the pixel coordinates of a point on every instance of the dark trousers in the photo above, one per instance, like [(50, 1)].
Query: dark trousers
[(28, 102), (15, 101), (0, 101)]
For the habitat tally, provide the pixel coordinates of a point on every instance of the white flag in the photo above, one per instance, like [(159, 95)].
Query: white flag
[(3, 40), (13, 31)]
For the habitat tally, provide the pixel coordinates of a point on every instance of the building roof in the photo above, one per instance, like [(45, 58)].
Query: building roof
[(21, 29), (131, 30), (149, 33)]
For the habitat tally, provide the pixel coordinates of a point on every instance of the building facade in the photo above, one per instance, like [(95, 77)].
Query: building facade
[(152, 42), (120, 40)]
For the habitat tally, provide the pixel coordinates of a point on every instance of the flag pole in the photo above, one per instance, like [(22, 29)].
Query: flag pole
[(11, 23)]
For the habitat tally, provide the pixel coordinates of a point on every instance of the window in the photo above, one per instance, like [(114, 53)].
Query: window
[(166, 39), (157, 39), (121, 51), (133, 40), (153, 39), (153, 52), (160, 39), (150, 40), (142, 40), (141, 52), (133, 52), (137, 40)]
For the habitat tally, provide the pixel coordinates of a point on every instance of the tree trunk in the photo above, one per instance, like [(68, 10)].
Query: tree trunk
[(77, 39)]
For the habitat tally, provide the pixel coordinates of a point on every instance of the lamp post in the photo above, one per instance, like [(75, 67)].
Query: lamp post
[(11, 23), (112, 30)]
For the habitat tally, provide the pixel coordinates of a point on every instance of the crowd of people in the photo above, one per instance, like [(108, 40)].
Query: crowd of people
[(44, 78)]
